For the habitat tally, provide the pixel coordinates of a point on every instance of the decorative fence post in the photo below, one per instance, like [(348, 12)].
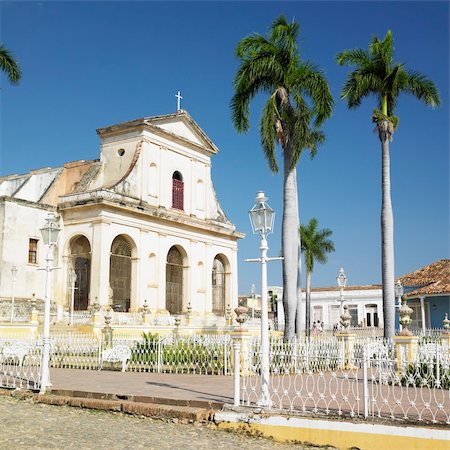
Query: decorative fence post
[(107, 331), (34, 321), (96, 318), (189, 315), (346, 341), (159, 368), (405, 342), (445, 336), (146, 314), (228, 315)]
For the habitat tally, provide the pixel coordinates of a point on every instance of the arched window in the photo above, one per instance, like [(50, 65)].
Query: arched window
[(218, 286), (120, 273), (174, 281), (80, 253), (177, 191)]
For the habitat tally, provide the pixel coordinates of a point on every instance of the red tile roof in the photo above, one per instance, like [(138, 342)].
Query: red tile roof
[(433, 279)]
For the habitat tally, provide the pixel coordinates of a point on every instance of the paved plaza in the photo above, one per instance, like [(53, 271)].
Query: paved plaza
[(202, 388)]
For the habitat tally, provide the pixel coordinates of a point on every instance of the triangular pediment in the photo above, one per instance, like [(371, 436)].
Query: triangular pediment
[(179, 126), (182, 125)]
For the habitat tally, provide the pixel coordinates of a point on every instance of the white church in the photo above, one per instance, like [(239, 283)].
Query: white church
[(140, 224)]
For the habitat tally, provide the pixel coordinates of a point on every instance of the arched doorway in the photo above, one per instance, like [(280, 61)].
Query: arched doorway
[(218, 286), (120, 274), (80, 254), (174, 281)]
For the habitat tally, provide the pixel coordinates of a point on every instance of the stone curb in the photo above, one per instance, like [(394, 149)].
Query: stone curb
[(139, 398), (188, 414)]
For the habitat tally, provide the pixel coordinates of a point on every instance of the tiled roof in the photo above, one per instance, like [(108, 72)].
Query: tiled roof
[(429, 280)]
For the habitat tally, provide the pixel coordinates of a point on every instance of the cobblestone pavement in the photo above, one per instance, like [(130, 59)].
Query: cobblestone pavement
[(28, 425)]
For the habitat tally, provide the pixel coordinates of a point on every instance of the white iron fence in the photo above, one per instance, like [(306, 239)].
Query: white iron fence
[(202, 354), (316, 378), (20, 363)]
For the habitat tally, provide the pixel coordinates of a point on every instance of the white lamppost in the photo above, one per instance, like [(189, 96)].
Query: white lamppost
[(50, 233), (73, 280), (13, 290), (262, 217), (342, 282), (398, 288), (253, 302)]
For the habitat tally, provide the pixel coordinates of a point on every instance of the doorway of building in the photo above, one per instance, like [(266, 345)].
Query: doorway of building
[(80, 253), (120, 274)]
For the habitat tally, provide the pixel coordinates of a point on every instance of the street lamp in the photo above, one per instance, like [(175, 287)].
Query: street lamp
[(262, 217), (342, 282), (13, 290), (50, 233), (398, 288)]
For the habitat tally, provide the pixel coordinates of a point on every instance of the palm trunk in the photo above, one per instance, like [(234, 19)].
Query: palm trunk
[(298, 315), (308, 303), (387, 234), (289, 243)]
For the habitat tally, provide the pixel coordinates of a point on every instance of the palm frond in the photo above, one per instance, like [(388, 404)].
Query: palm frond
[(422, 88), (9, 65), (355, 57), (315, 243), (268, 132), (311, 81)]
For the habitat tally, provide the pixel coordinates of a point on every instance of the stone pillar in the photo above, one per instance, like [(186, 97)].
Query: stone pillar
[(189, 320), (107, 331), (242, 338), (405, 350), (346, 349), (97, 319)]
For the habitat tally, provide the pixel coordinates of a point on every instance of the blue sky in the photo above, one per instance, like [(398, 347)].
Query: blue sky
[(91, 64)]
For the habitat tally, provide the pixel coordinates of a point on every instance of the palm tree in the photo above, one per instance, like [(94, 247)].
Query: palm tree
[(272, 66), (377, 74), (9, 65), (315, 246)]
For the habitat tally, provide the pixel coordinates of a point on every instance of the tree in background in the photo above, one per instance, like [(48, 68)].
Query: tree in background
[(315, 246), (9, 65), (377, 74), (272, 66)]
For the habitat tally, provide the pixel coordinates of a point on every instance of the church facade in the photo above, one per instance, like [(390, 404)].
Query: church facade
[(141, 224)]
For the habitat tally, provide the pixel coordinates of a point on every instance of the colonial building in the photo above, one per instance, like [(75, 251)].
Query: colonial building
[(428, 292), (141, 223), (365, 305)]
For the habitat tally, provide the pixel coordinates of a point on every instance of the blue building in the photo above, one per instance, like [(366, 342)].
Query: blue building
[(428, 293)]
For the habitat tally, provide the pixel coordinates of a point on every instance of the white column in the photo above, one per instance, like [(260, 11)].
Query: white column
[(234, 279), (422, 311), (100, 262)]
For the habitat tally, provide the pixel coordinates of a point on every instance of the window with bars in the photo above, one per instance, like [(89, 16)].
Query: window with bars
[(32, 251), (177, 191)]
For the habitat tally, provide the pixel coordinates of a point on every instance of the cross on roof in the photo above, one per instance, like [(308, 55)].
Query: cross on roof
[(179, 97)]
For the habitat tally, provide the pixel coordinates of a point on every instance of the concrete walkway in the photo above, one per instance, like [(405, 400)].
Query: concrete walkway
[(195, 390)]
